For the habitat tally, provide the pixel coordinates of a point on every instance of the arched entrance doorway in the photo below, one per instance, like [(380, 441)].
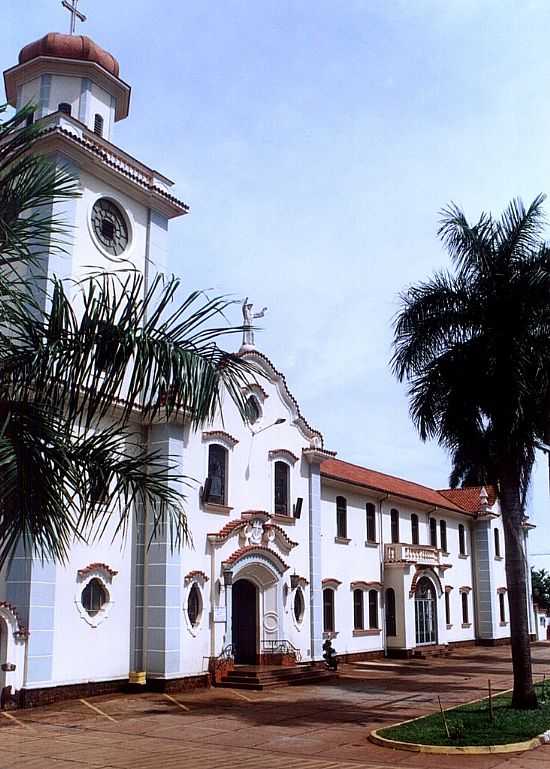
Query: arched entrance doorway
[(245, 621), (425, 612)]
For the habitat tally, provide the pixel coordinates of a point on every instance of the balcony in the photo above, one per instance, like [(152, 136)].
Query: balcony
[(424, 555)]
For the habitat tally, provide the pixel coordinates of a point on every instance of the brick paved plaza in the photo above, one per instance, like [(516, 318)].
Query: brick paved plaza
[(309, 727)]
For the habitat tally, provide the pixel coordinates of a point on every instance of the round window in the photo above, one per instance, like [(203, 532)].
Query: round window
[(299, 605), (94, 597), (110, 226), (194, 606), (252, 410)]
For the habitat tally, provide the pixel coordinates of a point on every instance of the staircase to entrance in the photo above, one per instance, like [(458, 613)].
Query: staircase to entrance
[(260, 677)]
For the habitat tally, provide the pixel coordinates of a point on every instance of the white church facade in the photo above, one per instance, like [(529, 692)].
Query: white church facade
[(291, 546)]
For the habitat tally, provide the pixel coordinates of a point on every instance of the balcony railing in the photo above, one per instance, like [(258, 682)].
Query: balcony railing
[(399, 552)]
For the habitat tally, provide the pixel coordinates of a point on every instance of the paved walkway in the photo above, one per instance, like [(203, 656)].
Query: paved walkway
[(310, 727)]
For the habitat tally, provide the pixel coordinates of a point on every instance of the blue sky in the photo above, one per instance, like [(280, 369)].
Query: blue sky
[(315, 143)]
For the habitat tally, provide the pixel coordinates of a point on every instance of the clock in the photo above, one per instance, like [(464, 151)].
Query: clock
[(109, 225)]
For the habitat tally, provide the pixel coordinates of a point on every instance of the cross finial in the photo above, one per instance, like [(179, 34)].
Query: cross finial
[(72, 7)]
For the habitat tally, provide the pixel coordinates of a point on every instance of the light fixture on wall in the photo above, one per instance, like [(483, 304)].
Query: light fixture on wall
[(279, 421)]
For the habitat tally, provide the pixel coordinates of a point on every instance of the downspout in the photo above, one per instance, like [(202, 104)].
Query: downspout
[(381, 568), (474, 571)]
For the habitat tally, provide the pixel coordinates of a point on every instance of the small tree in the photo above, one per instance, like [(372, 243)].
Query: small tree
[(540, 580)]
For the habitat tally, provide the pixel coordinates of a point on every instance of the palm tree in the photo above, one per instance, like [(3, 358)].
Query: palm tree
[(474, 346), (79, 390)]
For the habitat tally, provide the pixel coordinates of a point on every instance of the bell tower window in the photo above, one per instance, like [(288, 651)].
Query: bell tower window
[(64, 108), (98, 125)]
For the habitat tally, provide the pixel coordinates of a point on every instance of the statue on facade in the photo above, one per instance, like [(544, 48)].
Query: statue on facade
[(248, 318)]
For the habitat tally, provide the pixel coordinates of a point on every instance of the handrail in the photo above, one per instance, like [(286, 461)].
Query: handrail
[(281, 646), (226, 654)]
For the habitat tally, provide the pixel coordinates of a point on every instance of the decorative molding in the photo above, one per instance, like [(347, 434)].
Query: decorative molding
[(342, 540), (94, 568), (219, 435), (331, 582), (21, 632), (502, 590), (362, 585), (464, 589), (297, 581), (283, 454), (257, 390), (278, 378), (315, 455), (261, 551), (196, 576), (448, 588)]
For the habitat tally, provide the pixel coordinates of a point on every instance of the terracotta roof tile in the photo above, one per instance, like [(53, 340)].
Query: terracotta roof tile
[(468, 498), (388, 484)]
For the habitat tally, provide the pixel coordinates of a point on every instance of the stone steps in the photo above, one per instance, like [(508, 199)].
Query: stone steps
[(259, 679)]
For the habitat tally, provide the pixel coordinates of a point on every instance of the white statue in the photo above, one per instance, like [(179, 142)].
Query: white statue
[(248, 318)]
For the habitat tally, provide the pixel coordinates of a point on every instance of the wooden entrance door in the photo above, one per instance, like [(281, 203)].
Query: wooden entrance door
[(245, 621)]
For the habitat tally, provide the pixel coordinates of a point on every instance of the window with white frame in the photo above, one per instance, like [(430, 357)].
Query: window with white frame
[(216, 484), (281, 488)]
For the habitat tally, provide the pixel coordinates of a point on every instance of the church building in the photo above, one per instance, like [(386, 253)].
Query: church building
[(292, 546)]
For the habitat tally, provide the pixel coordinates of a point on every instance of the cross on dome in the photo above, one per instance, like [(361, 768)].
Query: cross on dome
[(72, 7)]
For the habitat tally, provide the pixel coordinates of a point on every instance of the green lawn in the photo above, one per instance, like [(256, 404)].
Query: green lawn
[(471, 724)]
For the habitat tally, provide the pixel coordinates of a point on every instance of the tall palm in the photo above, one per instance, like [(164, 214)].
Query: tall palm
[(474, 346), (78, 390)]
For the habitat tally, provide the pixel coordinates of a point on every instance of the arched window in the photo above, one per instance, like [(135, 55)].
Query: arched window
[(371, 522), (447, 608), (299, 605), (391, 629), (414, 529), (501, 606), (497, 543), (282, 476), (65, 108), (443, 535), (358, 610), (252, 410), (373, 609), (98, 125), (341, 518), (217, 474), (433, 532), (425, 609), (94, 597), (461, 540), (328, 610), (194, 606), (394, 517), (465, 615)]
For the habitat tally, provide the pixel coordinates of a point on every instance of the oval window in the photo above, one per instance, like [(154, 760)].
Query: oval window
[(194, 606), (94, 597), (252, 410), (299, 605)]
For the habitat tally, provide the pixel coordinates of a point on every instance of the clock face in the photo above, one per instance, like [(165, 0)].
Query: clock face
[(110, 226)]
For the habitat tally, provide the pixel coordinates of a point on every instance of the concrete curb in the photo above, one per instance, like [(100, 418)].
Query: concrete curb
[(472, 750)]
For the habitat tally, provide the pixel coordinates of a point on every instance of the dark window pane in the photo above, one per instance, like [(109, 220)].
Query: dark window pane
[(341, 517), (98, 125), (447, 608), (414, 529), (465, 608), (497, 543), (64, 108), (281, 488), (252, 410), (461, 540), (371, 522), (390, 612), (373, 609), (217, 460), (194, 605), (443, 535), (358, 614), (433, 532), (328, 610), (394, 515), (299, 605), (94, 597), (502, 607)]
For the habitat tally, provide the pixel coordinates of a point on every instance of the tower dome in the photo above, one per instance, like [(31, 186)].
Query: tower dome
[(60, 46)]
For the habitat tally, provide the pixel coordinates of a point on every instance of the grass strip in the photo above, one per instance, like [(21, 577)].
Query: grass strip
[(472, 725)]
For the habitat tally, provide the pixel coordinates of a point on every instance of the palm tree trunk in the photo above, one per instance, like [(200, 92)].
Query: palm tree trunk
[(524, 696)]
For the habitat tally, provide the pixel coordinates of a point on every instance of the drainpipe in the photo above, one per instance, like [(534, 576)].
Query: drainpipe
[(381, 567)]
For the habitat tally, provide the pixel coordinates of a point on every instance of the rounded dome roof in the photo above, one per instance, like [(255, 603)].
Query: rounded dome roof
[(62, 46)]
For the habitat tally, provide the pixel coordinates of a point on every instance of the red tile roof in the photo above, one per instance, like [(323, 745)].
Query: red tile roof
[(387, 484), (468, 498)]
